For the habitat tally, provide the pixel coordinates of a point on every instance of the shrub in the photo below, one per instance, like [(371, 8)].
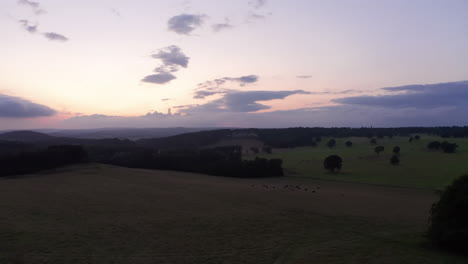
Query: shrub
[(349, 144), (373, 141), (434, 145), (379, 149), (331, 143), (448, 147), (333, 163), (394, 160), (449, 217), (396, 150), (267, 149)]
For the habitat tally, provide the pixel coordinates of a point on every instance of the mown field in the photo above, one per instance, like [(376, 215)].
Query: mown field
[(103, 214), (419, 167)]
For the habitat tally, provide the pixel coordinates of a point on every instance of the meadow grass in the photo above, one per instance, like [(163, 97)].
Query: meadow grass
[(419, 167), (104, 214)]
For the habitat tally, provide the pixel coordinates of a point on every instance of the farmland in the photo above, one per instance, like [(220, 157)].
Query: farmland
[(104, 214), (419, 167)]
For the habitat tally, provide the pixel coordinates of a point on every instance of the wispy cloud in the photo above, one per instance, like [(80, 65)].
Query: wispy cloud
[(55, 36), (257, 4), (214, 87), (304, 76), (28, 26), (35, 6), (34, 28), (222, 26), (116, 12)]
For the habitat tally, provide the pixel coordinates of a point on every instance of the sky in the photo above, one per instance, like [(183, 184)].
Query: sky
[(233, 63)]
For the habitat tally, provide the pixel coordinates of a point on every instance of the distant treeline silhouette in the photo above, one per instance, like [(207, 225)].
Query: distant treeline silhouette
[(221, 161), (33, 161), (297, 137)]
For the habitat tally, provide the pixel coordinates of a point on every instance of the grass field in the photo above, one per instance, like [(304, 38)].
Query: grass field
[(103, 214), (419, 167)]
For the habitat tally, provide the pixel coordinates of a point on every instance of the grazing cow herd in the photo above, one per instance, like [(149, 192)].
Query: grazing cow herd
[(287, 187)]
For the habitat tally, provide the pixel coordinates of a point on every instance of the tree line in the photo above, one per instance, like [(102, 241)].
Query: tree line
[(221, 161)]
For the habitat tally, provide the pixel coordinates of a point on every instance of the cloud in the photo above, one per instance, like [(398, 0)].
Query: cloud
[(222, 26), (304, 76), (172, 59), (27, 26), (244, 79), (257, 4), (116, 12), (242, 101), (172, 56), (165, 99), (453, 94), (35, 6), (15, 107), (160, 78), (240, 109), (213, 87), (55, 36), (184, 24)]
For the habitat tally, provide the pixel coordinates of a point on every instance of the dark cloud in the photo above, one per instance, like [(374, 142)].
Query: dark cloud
[(304, 76), (55, 36), (160, 78), (184, 24), (28, 26), (172, 59), (453, 94), (240, 109), (222, 26), (243, 101), (201, 94), (244, 79), (15, 107), (35, 6)]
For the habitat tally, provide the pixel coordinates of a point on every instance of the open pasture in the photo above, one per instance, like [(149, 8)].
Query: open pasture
[(103, 214), (419, 167)]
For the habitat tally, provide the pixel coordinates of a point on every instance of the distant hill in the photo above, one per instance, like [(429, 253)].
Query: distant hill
[(125, 133), (25, 136)]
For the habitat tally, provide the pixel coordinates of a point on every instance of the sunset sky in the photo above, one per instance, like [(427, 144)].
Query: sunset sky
[(235, 63)]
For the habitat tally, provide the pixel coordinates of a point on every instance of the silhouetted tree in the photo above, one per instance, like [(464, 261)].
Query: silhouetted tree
[(333, 163), (448, 147), (449, 217), (331, 143), (349, 143), (394, 160), (254, 150), (379, 149), (434, 145), (373, 141), (267, 149), (410, 139), (396, 150), (417, 137)]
